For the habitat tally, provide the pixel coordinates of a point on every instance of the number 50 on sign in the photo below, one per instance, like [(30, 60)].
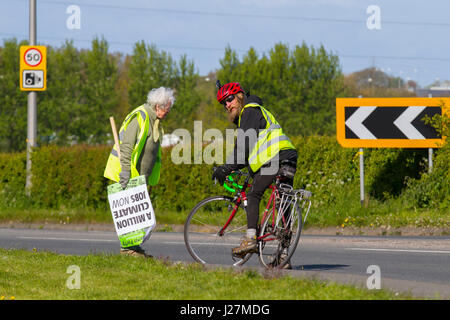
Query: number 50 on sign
[(33, 68)]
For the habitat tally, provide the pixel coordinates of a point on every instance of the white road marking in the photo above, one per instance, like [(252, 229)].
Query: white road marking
[(400, 250), (66, 239)]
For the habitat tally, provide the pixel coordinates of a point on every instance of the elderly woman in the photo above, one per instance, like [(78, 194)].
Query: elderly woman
[(140, 145)]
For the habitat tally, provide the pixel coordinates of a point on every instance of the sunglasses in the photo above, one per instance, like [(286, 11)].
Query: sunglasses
[(229, 99)]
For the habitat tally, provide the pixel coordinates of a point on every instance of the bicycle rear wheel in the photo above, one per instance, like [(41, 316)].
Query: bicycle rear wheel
[(278, 241), (204, 236)]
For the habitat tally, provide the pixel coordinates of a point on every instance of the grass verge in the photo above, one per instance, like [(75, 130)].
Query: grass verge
[(43, 275)]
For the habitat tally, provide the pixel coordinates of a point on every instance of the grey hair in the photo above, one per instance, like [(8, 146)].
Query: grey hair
[(160, 96)]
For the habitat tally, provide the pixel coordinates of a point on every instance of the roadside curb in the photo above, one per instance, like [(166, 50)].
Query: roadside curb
[(335, 231)]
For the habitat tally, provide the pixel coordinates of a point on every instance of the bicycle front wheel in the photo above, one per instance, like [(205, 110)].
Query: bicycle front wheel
[(213, 228), (279, 239)]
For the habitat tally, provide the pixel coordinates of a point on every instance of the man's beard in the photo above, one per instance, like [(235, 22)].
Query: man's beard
[(234, 114)]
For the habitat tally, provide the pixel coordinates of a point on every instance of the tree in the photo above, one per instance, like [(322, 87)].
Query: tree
[(84, 88), (80, 97), (13, 102), (150, 68), (99, 98), (187, 97), (298, 86), (59, 107)]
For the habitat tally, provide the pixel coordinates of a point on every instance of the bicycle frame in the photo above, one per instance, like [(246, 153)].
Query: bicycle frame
[(266, 213), (241, 197)]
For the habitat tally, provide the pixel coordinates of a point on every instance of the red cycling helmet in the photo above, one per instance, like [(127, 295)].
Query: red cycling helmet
[(228, 89)]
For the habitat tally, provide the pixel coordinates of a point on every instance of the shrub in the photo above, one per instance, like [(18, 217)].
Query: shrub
[(12, 179), (72, 178)]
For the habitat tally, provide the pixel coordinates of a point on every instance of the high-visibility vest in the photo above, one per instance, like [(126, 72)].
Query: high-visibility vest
[(113, 167), (269, 141)]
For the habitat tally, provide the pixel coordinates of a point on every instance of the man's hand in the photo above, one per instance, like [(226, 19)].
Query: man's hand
[(221, 173), (124, 178)]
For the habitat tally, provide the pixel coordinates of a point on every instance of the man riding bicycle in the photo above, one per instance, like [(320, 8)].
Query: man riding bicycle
[(261, 145)]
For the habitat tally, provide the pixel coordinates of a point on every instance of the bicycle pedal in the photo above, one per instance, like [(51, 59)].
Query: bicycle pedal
[(237, 256), (242, 255)]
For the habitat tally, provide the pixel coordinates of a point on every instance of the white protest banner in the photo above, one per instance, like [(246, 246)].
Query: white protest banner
[(132, 211)]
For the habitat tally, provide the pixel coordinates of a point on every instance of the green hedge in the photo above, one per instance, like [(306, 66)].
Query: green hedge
[(432, 190), (62, 177), (72, 178), (12, 179), (69, 176)]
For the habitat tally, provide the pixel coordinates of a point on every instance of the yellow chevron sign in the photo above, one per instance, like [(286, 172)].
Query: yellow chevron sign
[(388, 122)]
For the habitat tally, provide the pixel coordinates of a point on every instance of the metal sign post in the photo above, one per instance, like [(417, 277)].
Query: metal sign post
[(33, 78), (430, 160), (430, 151), (361, 176), (32, 103)]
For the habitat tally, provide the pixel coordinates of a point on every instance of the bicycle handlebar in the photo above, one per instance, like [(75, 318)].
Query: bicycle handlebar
[(235, 185), (233, 181)]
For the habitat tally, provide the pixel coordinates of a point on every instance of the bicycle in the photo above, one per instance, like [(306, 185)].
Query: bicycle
[(218, 223)]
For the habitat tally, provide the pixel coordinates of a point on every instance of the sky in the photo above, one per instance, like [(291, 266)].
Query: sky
[(403, 38)]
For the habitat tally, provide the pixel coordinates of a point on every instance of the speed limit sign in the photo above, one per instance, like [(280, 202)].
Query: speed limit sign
[(33, 57), (33, 68)]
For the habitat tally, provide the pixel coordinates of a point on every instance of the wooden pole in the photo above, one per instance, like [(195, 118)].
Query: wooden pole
[(116, 138)]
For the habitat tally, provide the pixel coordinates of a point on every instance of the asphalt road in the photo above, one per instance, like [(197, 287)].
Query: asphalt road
[(419, 265)]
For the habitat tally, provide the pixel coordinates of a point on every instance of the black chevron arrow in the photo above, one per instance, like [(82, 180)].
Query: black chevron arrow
[(381, 123), (390, 122)]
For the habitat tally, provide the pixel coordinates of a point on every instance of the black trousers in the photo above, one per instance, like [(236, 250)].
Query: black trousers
[(259, 185)]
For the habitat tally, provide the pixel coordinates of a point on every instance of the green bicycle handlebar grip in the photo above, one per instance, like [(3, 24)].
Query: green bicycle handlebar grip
[(235, 185)]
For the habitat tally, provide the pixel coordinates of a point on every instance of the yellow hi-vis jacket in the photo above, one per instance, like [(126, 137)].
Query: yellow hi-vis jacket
[(269, 142), (113, 167)]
